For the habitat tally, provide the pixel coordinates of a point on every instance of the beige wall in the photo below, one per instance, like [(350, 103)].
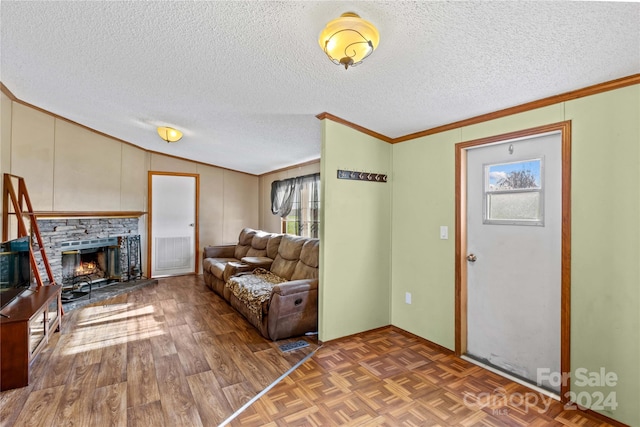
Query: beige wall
[(228, 199), (268, 221), (5, 139), (32, 153), (355, 231), (69, 168), (605, 263), (240, 199)]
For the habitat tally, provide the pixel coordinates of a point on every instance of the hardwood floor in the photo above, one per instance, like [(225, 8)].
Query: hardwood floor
[(175, 354), (388, 377), (171, 354)]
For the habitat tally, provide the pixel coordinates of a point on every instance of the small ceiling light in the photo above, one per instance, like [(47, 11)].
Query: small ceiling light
[(349, 39), (169, 134)]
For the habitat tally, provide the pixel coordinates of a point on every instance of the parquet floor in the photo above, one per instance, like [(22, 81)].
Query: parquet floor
[(387, 377), (175, 354), (171, 354)]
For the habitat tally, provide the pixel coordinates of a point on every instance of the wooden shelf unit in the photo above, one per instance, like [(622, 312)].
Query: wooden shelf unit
[(32, 318), (27, 322)]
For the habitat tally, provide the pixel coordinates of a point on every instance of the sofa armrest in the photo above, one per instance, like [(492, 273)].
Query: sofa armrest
[(235, 268), (258, 262), (295, 286), (226, 251), (293, 309)]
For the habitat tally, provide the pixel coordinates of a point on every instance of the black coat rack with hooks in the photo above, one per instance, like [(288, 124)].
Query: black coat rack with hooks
[(362, 176)]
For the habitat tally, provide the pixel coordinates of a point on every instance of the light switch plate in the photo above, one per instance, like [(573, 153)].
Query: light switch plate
[(407, 297), (444, 232)]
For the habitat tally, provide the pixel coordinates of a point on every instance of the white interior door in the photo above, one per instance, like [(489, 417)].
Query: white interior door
[(514, 224), (173, 225)]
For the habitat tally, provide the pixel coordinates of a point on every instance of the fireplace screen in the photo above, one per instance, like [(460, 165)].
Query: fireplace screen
[(130, 258), (90, 261)]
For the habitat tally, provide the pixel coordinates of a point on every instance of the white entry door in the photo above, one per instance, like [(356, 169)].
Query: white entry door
[(173, 200), (514, 246)]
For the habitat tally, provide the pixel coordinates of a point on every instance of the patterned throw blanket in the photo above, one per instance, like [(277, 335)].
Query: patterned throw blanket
[(254, 289)]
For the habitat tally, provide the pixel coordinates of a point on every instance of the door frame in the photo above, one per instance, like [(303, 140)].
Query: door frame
[(150, 175), (461, 240)]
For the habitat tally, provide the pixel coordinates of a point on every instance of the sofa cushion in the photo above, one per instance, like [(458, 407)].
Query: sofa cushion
[(288, 255), (273, 245), (260, 240), (246, 236), (259, 245), (254, 289), (307, 266), (244, 242), (216, 266)]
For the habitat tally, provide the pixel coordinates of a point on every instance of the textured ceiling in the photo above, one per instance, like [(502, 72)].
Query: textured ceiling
[(245, 80)]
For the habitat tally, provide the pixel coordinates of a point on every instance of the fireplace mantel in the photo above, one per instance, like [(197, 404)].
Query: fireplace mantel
[(89, 214)]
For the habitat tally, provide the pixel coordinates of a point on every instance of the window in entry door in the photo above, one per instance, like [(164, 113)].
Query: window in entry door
[(514, 193)]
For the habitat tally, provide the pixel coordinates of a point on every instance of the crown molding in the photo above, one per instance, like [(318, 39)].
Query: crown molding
[(352, 125), (567, 96), (11, 96), (296, 166), (7, 92), (544, 102), (556, 99)]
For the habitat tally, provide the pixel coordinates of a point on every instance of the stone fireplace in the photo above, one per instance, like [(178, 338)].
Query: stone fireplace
[(97, 249)]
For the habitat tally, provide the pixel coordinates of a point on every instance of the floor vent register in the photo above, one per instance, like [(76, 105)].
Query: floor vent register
[(295, 345)]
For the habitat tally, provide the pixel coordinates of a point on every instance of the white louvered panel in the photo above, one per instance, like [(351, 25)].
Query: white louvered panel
[(172, 252)]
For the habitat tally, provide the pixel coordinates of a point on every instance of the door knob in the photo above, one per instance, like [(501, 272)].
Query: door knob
[(471, 258), (192, 225)]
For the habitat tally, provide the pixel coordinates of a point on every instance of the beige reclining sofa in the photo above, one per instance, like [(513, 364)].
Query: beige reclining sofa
[(271, 279)]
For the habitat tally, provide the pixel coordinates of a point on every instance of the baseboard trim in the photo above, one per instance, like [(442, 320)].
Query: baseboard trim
[(393, 328), (426, 341), (351, 336), (601, 417)]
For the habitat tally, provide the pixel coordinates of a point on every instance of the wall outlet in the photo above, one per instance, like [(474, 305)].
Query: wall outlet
[(407, 297)]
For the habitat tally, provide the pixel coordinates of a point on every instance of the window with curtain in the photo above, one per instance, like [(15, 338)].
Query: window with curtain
[(297, 202)]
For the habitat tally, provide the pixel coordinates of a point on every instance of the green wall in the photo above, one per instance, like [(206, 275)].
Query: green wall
[(605, 259), (424, 200), (356, 234), (605, 306), (605, 264)]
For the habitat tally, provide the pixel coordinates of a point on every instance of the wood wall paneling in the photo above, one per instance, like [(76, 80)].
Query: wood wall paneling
[(87, 172), (32, 154)]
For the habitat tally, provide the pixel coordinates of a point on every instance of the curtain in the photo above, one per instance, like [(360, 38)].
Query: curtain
[(282, 196), (298, 200), (310, 213)]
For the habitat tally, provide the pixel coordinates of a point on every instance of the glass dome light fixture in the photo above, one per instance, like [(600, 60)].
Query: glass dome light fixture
[(169, 134), (349, 39)]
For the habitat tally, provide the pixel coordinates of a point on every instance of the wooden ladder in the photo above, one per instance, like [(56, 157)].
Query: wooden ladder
[(22, 208)]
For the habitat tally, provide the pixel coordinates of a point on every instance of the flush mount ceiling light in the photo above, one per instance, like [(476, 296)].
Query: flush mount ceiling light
[(349, 39), (169, 134)]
